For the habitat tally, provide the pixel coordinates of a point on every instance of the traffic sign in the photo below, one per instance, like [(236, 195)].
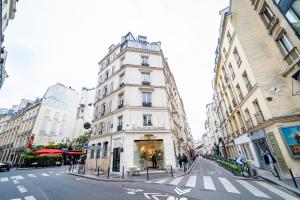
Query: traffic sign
[(85, 146)]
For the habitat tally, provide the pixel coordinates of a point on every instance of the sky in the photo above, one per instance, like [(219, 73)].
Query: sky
[(52, 41)]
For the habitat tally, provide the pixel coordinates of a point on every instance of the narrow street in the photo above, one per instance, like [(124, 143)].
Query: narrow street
[(207, 181)]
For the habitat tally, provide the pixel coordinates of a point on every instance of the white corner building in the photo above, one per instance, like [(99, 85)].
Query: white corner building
[(138, 110)]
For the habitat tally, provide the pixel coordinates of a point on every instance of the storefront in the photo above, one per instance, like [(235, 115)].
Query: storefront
[(246, 147), (261, 146), (149, 153)]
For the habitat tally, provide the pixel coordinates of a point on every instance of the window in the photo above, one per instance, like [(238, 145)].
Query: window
[(224, 52), (258, 115), (237, 57), (238, 89), (105, 149), (122, 61), (53, 128), (92, 153), (104, 91), (268, 14), (113, 70), (106, 74), (296, 83), (146, 78), (145, 61), (147, 120), (231, 71), (98, 150), (229, 37), (121, 80), (293, 15), (146, 99), (285, 44), (111, 87), (103, 109), (120, 123), (121, 101), (246, 81), (248, 119)]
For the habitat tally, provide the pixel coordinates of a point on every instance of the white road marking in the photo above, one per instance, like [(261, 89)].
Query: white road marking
[(208, 183), (3, 179), (161, 181), (21, 188), (228, 186), (30, 198), (57, 174), (31, 175), (15, 199), (252, 189), (280, 193), (176, 180), (191, 181), (19, 177), (16, 181), (51, 172), (45, 174)]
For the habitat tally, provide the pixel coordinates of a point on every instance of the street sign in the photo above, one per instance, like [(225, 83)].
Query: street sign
[(85, 146), (64, 149)]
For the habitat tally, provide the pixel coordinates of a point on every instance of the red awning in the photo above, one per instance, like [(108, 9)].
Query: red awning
[(74, 153), (48, 151)]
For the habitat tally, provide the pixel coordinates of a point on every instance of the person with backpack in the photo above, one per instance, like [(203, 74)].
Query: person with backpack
[(184, 162)]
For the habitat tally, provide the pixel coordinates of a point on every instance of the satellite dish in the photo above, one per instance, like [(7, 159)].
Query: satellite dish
[(87, 125)]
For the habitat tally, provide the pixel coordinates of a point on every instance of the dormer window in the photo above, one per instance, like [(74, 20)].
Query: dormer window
[(142, 38)]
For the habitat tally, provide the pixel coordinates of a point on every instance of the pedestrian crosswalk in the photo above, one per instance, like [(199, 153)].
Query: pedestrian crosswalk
[(235, 186), (16, 178)]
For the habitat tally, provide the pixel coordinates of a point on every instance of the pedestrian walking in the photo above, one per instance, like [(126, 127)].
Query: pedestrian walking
[(154, 163), (184, 162), (270, 160), (179, 161)]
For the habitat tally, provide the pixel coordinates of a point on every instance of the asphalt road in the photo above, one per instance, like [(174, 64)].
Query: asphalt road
[(206, 181)]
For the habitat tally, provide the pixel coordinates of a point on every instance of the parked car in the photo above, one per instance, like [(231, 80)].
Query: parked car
[(5, 166)]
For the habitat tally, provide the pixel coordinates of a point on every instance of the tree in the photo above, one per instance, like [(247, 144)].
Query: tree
[(79, 142)]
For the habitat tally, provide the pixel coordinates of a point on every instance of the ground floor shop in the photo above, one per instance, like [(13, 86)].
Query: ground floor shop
[(132, 150)]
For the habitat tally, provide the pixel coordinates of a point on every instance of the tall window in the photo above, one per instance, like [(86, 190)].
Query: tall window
[(144, 60), (106, 74), (121, 80), (229, 37), (248, 119), (238, 89), (105, 149), (147, 120), (258, 115), (145, 78), (268, 14), (104, 91), (293, 15), (231, 71), (237, 57), (122, 61), (285, 44), (120, 123), (98, 150), (92, 153), (121, 101), (146, 99), (247, 81)]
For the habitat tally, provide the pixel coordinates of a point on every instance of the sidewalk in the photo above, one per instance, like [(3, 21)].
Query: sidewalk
[(285, 182), (103, 176), (153, 175)]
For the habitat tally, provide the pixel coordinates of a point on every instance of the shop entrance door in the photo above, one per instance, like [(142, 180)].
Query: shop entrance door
[(116, 159)]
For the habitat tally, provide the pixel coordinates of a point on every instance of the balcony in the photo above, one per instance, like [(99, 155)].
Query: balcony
[(147, 104), (121, 105), (147, 124), (121, 84), (145, 82), (241, 96), (259, 117), (155, 46), (119, 128), (248, 86), (145, 64), (234, 103), (249, 124)]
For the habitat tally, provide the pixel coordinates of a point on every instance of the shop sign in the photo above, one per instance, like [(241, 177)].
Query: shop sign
[(291, 136)]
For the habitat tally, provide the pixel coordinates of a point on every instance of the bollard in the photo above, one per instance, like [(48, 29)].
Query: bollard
[(70, 167), (123, 172), (108, 170), (84, 169), (171, 171), (147, 174), (98, 172), (292, 175), (277, 173)]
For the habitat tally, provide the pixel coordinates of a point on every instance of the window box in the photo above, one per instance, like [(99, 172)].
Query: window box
[(147, 104), (145, 64), (145, 83), (119, 128)]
